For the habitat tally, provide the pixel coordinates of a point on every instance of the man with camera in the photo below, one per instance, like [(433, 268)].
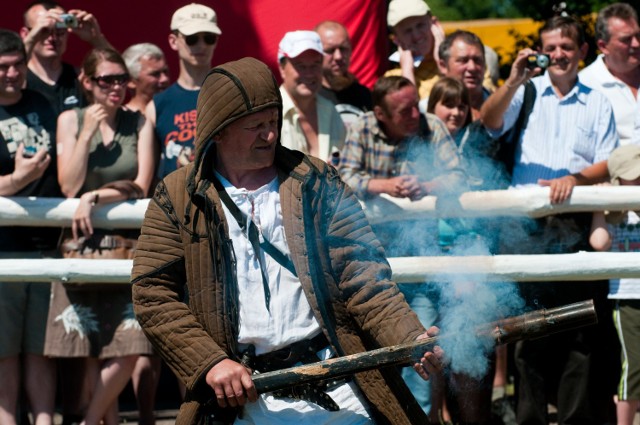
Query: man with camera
[(569, 135), (45, 34), (570, 127)]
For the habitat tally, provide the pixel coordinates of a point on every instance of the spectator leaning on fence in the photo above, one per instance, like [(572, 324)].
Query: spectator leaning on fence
[(102, 161), (398, 151), (27, 168), (570, 134), (621, 233)]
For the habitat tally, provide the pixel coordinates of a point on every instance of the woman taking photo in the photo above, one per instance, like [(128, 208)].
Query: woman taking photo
[(101, 160)]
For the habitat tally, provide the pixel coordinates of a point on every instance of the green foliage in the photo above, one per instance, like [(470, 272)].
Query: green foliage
[(538, 10), (460, 10)]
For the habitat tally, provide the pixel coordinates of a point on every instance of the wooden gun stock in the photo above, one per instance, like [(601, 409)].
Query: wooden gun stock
[(535, 324)]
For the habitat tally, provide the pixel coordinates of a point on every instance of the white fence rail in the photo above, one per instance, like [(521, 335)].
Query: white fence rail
[(531, 202), (581, 266)]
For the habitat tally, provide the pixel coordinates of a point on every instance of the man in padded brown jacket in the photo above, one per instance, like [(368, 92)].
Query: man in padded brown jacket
[(279, 264)]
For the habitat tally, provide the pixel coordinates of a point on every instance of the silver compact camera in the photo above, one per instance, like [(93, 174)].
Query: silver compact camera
[(67, 20), (538, 60)]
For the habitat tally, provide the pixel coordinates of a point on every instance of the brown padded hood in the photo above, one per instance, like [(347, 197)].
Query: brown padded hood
[(229, 92)]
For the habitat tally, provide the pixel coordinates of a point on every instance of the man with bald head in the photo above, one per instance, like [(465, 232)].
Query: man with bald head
[(338, 84)]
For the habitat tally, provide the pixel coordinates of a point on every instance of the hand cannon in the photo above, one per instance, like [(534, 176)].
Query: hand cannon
[(531, 325)]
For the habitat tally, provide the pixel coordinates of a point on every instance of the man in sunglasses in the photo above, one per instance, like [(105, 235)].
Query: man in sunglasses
[(194, 36), (45, 34)]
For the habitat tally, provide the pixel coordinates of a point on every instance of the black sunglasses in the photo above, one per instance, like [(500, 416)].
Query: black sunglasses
[(108, 81), (208, 37)]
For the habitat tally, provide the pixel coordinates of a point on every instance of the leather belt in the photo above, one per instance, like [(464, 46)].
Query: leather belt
[(298, 352)]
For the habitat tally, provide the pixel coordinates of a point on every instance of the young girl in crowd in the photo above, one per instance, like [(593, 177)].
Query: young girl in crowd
[(621, 233), (101, 160), (469, 400), (449, 101)]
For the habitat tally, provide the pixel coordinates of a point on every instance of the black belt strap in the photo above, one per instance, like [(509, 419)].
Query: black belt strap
[(255, 240), (299, 352)]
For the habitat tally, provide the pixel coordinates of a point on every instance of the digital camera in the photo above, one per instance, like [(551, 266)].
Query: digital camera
[(538, 60), (67, 20), (29, 151)]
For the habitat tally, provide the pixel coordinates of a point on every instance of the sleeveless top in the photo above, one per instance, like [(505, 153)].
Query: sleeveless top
[(116, 161)]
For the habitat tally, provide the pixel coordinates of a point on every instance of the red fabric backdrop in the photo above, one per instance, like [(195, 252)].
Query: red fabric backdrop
[(249, 27)]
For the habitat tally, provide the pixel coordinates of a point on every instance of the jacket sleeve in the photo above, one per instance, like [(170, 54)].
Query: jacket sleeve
[(159, 282), (364, 275)]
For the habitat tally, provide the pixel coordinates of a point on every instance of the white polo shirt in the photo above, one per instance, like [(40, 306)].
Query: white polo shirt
[(625, 105)]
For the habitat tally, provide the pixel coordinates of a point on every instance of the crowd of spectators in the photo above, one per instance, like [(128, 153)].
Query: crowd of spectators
[(435, 123)]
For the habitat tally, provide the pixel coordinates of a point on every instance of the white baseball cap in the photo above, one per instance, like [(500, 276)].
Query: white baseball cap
[(296, 42), (195, 18), (403, 9)]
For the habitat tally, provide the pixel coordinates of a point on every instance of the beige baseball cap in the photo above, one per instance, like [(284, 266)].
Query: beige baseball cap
[(624, 163), (403, 9), (195, 18)]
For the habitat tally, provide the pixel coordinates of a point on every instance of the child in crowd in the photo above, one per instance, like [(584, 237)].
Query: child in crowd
[(621, 233)]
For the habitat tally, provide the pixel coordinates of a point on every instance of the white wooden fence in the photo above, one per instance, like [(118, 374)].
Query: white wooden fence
[(532, 202)]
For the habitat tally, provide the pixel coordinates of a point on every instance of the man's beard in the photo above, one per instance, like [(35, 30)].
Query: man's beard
[(339, 82)]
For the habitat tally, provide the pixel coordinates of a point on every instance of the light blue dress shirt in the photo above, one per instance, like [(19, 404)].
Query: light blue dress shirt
[(564, 135)]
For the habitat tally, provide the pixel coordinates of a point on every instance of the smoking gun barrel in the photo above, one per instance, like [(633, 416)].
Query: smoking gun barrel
[(534, 324), (539, 323)]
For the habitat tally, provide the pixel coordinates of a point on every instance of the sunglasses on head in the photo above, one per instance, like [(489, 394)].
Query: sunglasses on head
[(208, 37), (109, 81)]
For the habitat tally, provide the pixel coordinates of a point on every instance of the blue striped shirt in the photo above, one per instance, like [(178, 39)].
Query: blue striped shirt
[(563, 136)]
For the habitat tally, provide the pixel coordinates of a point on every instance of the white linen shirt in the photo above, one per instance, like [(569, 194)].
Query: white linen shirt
[(293, 319), (563, 136), (331, 130), (289, 318), (625, 105)]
